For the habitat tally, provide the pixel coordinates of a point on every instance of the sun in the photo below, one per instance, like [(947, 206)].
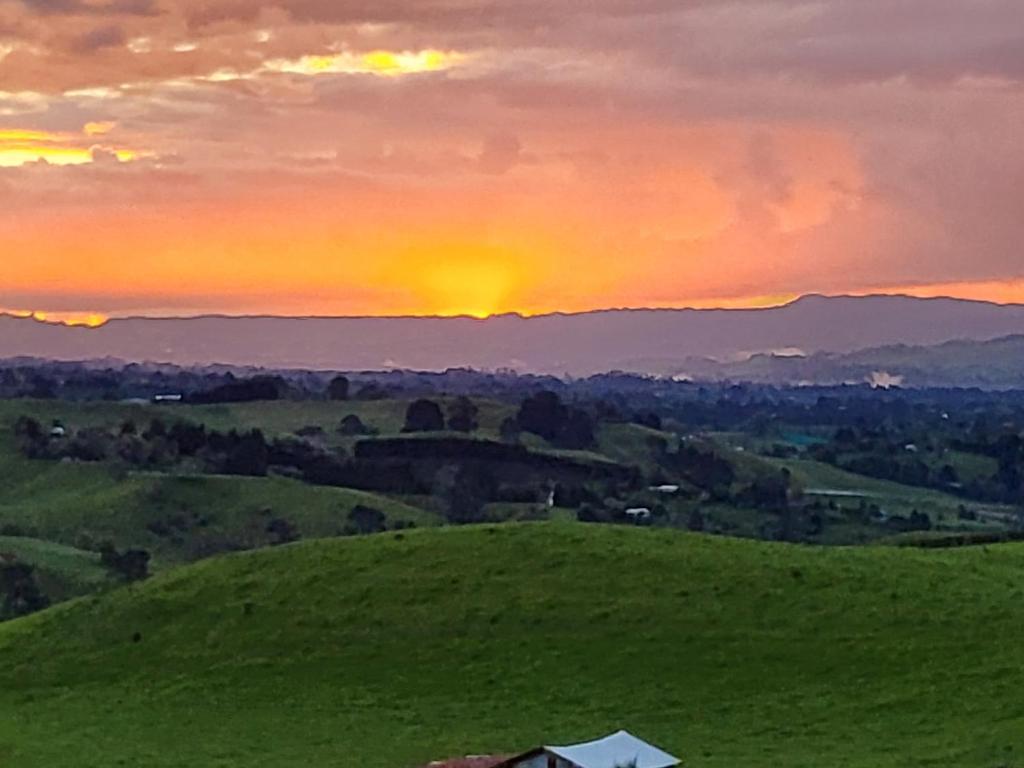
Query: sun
[(471, 287)]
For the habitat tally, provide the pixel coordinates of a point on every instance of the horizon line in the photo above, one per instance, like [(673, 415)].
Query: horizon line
[(42, 317)]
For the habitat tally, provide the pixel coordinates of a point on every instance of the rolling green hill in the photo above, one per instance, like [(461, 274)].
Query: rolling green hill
[(177, 517), (61, 572), (387, 651)]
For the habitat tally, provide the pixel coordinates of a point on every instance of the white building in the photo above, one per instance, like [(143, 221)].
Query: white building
[(620, 750), (639, 515)]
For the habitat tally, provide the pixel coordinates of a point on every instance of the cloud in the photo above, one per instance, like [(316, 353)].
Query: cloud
[(501, 153), (107, 36), (20, 147), (730, 148)]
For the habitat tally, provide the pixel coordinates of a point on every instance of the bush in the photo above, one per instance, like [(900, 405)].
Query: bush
[(131, 565), (283, 531), (366, 520)]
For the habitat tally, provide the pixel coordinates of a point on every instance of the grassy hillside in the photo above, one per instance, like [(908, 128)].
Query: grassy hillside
[(826, 481), (386, 651), (61, 572), (275, 418), (178, 518)]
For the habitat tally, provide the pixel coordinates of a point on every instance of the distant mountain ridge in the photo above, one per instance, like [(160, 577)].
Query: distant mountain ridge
[(994, 364), (654, 341)]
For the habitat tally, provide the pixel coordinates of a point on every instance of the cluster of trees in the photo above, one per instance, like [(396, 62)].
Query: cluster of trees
[(20, 590), (542, 414), (156, 446), (131, 565), (427, 416), (243, 391), (562, 425), (918, 457)]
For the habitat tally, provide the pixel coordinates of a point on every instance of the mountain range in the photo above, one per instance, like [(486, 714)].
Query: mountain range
[(815, 338)]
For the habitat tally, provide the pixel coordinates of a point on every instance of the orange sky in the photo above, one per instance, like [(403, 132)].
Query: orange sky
[(473, 157)]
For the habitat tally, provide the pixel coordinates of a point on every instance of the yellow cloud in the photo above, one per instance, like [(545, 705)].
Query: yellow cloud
[(20, 147), (99, 128), (83, 319), (91, 320), (382, 63)]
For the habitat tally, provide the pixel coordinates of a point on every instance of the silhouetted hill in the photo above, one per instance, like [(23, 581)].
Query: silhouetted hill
[(994, 364), (650, 341)]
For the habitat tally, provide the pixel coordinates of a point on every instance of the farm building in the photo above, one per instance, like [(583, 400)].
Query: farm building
[(471, 762), (620, 750)]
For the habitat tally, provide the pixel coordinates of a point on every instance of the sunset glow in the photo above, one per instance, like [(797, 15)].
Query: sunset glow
[(466, 158), (60, 318), (385, 63), (19, 146)]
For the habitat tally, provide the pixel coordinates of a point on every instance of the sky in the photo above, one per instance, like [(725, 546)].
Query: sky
[(381, 157)]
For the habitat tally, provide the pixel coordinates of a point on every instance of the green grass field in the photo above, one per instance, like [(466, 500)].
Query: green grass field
[(387, 651), (275, 418), (82, 505), (894, 498), (62, 572)]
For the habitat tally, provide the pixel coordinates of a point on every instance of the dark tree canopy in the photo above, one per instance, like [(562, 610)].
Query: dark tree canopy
[(21, 593), (462, 415), (283, 531), (367, 520), (545, 414), (542, 414), (464, 490), (244, 391), (131, 565), (424, 416), (338, 389), (353, 426)]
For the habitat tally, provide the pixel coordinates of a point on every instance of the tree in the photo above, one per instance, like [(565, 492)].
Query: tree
[(542, 414), (21, 593), (464, 490), (366, 520), (577, 432), (283, 531), (424, 416), (244, 391), (353, 426), (462, 415), (696, 523), (545, 414), (131, 565), (248, 455), (28, 428), (510, 430), (338, 389), (770, 491)]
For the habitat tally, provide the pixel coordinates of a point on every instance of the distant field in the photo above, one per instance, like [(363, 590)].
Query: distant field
[(82, 505), (387, 651), (62, 572), (894, 498)]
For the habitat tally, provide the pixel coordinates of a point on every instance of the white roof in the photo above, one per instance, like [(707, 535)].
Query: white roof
[(616, 751)]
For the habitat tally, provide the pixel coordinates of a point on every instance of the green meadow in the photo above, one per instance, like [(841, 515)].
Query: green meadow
[(388, 651)]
